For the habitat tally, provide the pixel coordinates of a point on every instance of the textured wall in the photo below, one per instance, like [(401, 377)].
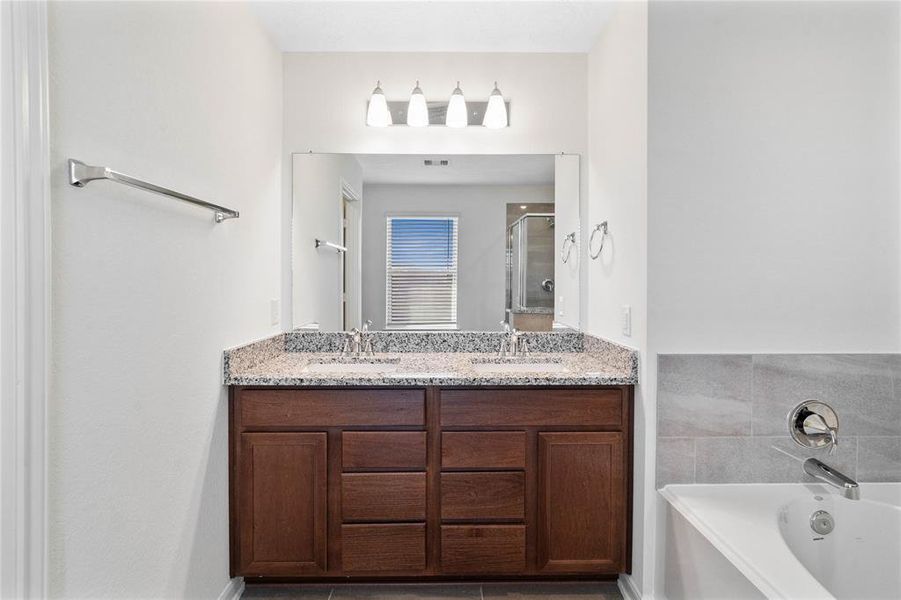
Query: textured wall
[(773, 172), (148, 291), (616, 169), (723, 418)]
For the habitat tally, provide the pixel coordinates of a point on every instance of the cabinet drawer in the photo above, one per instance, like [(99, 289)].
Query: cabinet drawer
[(394, 548), (332, 408), (483, 548), (483, 450), (601, 408), (383, 496), (362, 450), (483, 496)]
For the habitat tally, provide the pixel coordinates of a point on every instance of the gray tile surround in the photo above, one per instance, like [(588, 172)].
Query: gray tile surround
[(722, 418)]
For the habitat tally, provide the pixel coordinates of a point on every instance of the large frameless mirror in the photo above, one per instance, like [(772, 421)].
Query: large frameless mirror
[(424, 242)]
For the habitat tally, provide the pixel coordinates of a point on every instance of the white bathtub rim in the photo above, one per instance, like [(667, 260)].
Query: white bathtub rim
[(801, 584)]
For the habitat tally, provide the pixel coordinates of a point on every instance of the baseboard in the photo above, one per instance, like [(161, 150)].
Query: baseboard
[(627, 588), (233, 589)]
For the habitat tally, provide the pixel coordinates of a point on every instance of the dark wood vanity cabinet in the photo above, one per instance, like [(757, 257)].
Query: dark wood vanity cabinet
[(430, 482)]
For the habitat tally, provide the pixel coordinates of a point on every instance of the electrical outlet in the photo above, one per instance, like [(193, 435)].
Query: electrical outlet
[(627, 320), (561, 306), (275, 311)]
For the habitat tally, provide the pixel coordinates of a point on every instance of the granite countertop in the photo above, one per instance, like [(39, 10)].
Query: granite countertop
[(532, 310), (448, 359)]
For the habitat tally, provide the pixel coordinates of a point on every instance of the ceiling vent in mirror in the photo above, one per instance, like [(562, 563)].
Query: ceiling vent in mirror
[(435, 162)]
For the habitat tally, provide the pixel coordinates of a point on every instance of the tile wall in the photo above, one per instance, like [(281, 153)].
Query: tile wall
[(723, 418)]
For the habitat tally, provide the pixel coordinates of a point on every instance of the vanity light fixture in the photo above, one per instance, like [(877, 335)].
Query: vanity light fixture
[(378, 115), (457, 114), (496, 113), (417, 109)]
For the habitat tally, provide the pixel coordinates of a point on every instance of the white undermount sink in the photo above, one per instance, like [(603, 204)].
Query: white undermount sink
[(353, 366), (519, 367)]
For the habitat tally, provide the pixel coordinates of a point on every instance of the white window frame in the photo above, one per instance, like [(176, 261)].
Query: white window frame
[(429, 326)]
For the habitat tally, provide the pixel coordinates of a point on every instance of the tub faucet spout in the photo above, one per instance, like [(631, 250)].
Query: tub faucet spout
[(825, 473)]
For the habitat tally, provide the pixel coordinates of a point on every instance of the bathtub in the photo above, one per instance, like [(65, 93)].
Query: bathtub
[(752, 541)]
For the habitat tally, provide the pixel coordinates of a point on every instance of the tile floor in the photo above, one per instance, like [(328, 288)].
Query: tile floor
[(451, 591)]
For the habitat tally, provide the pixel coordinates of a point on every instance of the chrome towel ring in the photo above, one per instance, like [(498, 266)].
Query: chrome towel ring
[(602, 227), (569, 242)]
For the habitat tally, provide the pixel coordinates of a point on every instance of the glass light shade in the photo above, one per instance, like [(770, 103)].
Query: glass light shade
[(496, 113), (417, 109), (378, 115), (457, 114)]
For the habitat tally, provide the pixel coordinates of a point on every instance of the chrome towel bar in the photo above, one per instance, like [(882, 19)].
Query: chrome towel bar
[(335, 247), (81, 174)]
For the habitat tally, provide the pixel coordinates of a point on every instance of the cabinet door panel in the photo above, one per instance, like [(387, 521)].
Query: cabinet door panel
[(581, 503), (283, 503)]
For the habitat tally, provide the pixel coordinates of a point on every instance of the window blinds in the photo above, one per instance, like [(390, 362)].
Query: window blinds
[(421, 287)]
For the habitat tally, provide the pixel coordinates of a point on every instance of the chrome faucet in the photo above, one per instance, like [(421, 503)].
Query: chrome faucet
[(820, 470), (352, 342), (366, 339), (513, 343), (357, 342)]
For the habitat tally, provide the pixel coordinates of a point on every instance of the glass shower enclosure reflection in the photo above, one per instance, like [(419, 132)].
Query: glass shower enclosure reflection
[(530, 271)]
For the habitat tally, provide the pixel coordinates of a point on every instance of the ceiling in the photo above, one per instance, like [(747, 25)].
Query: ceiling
[(510, 169), (434, 26)]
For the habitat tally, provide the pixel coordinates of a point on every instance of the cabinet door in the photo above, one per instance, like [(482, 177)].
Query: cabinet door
[(282, 508), (581, 502)]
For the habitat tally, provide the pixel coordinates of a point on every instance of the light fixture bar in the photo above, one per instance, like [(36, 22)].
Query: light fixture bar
[(438, 112)]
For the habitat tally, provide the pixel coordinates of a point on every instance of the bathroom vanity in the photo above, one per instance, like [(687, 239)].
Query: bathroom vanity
[(430, 465)]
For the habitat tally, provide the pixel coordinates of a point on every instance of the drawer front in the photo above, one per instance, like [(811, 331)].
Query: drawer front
[(532, 408), (362, 450), (483, 450), (385, 548), (483, 549), (383, 497), (483, 496), (332, 408)]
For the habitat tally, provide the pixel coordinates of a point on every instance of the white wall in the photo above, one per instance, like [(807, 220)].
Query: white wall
[(326, 96), (568, 276), (773, 194), (773, 160), (617, 180), (482, 210), (147, 291), (318, 214)]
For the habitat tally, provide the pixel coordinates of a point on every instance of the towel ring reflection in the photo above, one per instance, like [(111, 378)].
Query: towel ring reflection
[(602, 227), (569, 243)]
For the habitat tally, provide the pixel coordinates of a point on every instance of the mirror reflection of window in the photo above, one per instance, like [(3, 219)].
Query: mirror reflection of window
[(421, 278)]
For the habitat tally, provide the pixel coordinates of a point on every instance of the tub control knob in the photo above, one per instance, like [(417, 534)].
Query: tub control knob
[(822, 522)]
